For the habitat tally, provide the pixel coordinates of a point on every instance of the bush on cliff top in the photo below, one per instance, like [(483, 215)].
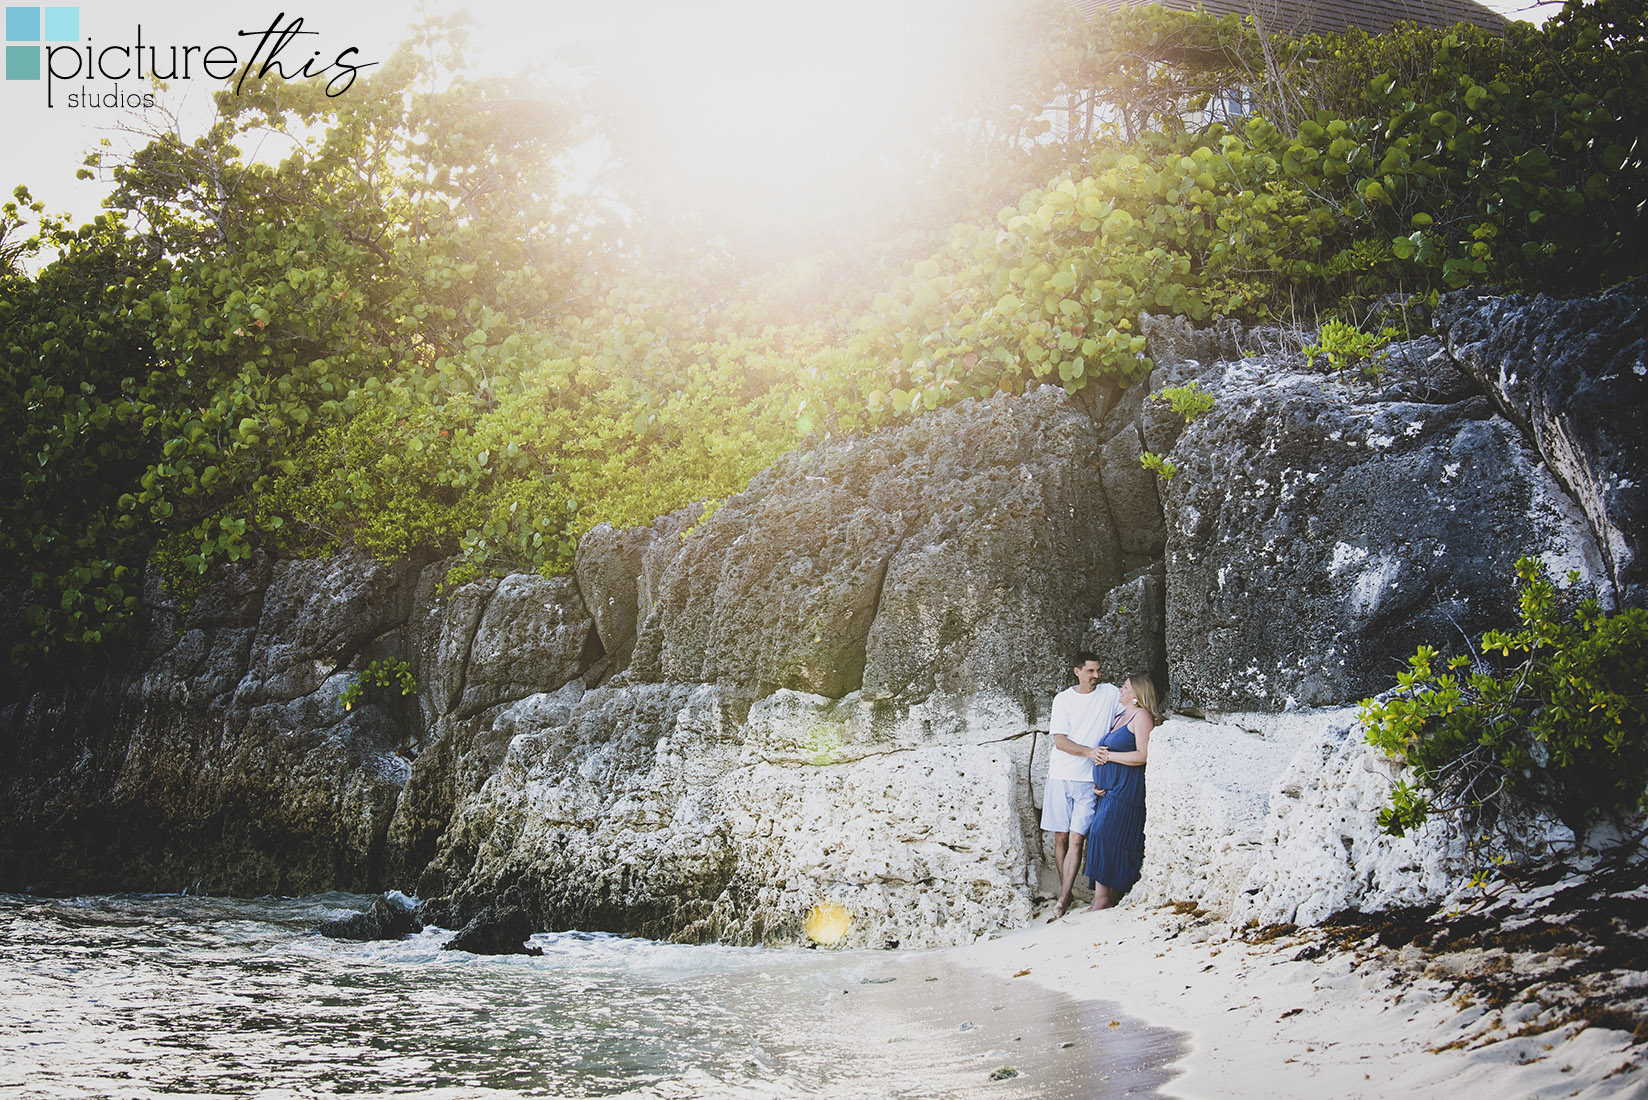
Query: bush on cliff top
[(1504, 160)]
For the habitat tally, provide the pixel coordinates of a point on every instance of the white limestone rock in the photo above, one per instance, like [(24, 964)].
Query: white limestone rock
[(923, 846), (1323, 850), (1273, 818), (1208, 787), (648, 809)]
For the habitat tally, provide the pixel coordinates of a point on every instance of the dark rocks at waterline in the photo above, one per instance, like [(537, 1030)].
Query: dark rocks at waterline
[(218, 753), (501, 929), (387, 919)]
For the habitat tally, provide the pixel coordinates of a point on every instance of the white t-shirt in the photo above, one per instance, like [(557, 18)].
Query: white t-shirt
[(1085, 719)]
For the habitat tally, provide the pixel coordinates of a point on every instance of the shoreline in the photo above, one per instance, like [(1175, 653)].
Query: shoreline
[(1169, 1000), (1289, 1017)]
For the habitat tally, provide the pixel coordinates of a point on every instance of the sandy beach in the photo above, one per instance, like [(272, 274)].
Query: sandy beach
[(1287, 1018)]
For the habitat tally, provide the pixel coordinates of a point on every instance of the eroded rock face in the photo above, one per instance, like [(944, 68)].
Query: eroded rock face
[(960, 554), (1316, 539), (493, 655), (225, 762), (317, 615), (1573, 374), (1128, 634), (534, 636), (616, 574), (653, 811), (1209, 789), (1322, 850), (1274, 819)]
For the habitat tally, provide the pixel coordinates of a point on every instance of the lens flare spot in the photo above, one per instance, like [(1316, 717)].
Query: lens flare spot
[(827, 923)]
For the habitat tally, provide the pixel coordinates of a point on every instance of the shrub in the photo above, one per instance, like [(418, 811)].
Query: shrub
[(392, 674), (1189, 400), (1549, 715), (1162, 467), (1349, 348)]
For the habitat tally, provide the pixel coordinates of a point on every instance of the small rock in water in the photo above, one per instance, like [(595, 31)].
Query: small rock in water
[(386, 920), (495, 930), (968, 1026), (1002, 1073), (876, 981)]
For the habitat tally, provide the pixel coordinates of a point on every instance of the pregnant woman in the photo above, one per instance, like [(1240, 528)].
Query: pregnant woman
[(1115, 841)]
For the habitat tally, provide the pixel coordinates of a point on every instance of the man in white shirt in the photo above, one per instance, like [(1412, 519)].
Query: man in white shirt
[(1081, 717)]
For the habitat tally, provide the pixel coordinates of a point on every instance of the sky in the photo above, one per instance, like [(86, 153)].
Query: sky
[(791, 84)]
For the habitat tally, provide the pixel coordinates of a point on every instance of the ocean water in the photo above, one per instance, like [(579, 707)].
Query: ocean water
[(146, 996)]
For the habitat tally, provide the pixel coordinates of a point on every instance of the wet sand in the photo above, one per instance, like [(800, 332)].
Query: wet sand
[(981, 1034)]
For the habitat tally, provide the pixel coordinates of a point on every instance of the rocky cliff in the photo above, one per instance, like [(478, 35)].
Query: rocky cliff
[(831, 689)]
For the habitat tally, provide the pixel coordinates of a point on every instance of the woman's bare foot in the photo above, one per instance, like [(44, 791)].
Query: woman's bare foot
[(1101, 899)]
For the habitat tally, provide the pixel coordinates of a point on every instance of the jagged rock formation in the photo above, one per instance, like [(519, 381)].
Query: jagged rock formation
[(222, 757), (828, 690), (1321, 531), (499, 929), (1573, 375)]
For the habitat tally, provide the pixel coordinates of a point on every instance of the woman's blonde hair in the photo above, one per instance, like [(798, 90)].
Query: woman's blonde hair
[(1144, 689)]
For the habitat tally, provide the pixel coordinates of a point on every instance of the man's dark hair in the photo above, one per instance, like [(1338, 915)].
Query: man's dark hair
[(1082, 657)]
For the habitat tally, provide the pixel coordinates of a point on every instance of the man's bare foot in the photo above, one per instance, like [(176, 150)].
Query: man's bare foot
[(1058, 911)]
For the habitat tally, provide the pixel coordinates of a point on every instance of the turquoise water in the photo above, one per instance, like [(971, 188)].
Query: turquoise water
[(142, 996)]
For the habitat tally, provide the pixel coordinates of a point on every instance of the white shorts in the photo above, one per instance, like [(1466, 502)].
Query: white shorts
[(1069, 806)]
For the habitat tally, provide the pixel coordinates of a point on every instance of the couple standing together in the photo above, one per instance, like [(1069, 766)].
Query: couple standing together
[(1095, 781)]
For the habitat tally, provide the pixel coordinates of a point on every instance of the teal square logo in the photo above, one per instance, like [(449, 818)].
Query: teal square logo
[(22, 62), (35, 25), (23, 25), (62, 24)]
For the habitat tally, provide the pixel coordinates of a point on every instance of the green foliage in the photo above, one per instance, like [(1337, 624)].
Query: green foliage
[(391, 675), (1552, 714), (1161, 467), (1475, 159), (1189, 401), (1349, 348), (367, 344), (405, 334)]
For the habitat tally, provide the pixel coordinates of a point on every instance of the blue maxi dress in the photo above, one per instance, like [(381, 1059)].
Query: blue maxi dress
[(1115, 841)]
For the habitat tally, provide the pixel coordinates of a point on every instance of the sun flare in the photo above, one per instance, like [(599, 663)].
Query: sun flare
[(777, 113), (827, 923)]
